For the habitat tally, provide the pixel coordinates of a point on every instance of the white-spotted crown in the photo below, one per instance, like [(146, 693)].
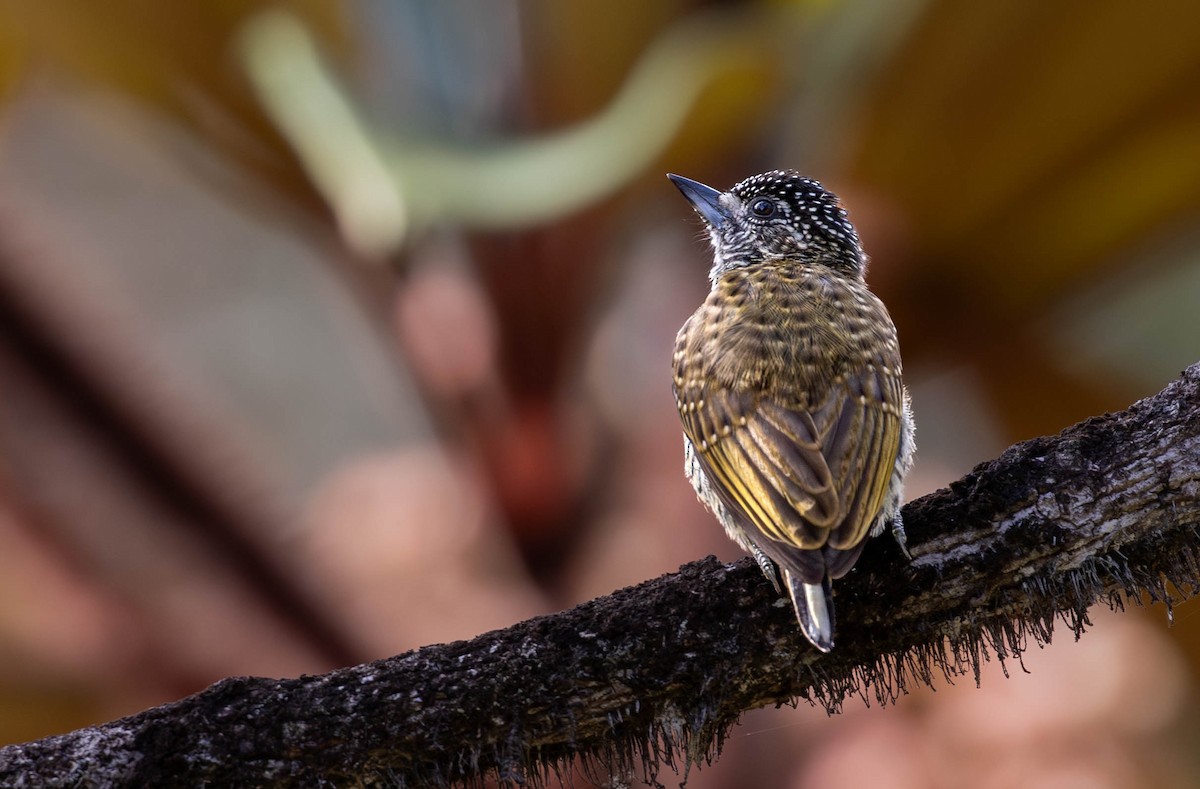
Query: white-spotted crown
[(782, 214)]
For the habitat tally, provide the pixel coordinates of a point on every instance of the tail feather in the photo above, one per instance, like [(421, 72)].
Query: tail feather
[(814, 609)]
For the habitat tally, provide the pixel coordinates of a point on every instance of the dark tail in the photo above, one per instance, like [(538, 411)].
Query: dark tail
[(814, 609)]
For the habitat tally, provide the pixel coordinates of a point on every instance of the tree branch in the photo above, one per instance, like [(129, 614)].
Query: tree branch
[(656, 674)]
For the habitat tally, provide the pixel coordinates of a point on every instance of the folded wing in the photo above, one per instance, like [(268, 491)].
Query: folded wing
[(806, 478)]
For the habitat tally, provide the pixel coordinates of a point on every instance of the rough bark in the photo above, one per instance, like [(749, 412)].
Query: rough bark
[(656, 674)]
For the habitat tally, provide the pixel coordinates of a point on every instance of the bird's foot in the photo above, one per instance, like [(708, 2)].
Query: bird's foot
[(768, 568), (899, 534)]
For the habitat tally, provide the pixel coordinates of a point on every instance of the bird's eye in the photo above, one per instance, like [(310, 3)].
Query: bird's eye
[(762, 207)]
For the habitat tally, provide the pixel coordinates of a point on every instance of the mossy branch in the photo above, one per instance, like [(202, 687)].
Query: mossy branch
[(656, 674)]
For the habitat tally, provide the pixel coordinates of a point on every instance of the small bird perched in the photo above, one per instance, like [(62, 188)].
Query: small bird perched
[(797, 426)]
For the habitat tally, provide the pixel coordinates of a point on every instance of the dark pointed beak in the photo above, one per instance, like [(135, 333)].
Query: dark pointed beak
[(705, 199)]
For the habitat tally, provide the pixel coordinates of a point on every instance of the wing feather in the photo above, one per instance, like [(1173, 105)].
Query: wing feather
[(804, 478)]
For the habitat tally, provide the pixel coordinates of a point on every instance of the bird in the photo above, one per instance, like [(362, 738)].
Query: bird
[(798, 429)]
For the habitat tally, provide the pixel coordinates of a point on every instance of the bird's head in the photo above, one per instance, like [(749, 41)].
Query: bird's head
[(777, 215)]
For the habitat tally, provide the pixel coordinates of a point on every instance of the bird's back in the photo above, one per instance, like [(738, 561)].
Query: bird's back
[(787, 379)]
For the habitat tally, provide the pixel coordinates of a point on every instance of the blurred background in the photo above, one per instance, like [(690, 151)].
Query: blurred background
[(330, 329)]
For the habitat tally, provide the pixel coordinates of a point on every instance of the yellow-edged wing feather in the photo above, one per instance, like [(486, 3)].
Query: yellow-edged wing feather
[(805, 478)]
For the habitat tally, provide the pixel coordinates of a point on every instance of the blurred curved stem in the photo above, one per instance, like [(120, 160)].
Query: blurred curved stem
[(535, 180), (333, 142), (383, 187)]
